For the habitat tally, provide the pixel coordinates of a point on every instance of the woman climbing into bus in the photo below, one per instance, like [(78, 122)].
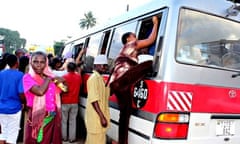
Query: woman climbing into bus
[(126, 72)]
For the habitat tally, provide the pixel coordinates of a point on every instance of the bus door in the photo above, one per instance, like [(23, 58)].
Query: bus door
[(141, 121)]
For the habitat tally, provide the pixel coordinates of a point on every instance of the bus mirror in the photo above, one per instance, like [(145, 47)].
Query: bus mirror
[(233, 10), (235, 1)]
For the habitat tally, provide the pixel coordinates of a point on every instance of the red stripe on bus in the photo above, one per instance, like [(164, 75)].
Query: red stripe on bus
[(192, 98)]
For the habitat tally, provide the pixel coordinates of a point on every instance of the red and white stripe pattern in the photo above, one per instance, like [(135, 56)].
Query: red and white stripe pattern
[(179, 101)]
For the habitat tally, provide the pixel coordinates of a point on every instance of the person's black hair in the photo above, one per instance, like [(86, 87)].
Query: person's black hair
[(50, 55), (19, 50), (5, 55), (23, 62), (12, 60), (54, 62), (125, 36), (71, 66), (3, 61), (2, 64), (39, 53)]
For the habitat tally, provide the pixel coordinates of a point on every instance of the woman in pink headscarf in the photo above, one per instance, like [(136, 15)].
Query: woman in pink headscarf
[(43, 102)]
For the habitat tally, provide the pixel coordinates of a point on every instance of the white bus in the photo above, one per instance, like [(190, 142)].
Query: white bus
[(193, 94)]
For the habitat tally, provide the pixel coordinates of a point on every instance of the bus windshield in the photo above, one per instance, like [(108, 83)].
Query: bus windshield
[(208, 40)]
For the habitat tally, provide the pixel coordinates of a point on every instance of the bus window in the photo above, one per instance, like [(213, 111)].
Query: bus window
[(145, 31), (86, 42), (105, 42), (208, 40), (84, 57), (77, 49), (93, 45), (92, 51), (67, 50), (116, 44)]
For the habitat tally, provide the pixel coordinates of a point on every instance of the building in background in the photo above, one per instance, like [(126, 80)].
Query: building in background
[(46, 49)]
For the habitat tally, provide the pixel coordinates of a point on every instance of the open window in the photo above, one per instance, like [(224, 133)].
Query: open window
[(144, 32), (106, 37), (77, 48), (154, 50)]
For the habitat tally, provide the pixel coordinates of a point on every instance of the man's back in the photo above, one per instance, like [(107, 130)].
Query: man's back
[(10, 88), (74, 82)]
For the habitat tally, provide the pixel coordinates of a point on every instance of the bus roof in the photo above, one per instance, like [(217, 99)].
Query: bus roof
[(218, 7)]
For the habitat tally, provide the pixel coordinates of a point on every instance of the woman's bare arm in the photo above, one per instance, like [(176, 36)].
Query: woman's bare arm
[(152, 37), (40, 90), (78, 59)]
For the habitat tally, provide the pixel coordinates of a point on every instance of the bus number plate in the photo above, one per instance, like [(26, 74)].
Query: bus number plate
[(225, 128)]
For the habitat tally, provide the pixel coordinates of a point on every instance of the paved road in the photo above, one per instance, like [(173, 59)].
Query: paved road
[(77, 142)]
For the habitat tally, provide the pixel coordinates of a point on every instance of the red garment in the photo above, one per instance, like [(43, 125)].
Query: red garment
[(126, 59), (126, 72), (74, 81), (51, 132)]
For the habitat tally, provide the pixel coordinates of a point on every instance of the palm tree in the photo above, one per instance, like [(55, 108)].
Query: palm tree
[(88, 21)]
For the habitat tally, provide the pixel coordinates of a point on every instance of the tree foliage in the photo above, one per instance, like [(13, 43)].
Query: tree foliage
[(58, 47), (12, 40), (88, 21)]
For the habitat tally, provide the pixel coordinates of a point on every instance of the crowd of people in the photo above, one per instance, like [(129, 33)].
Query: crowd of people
[(38, 99), (47, 90)]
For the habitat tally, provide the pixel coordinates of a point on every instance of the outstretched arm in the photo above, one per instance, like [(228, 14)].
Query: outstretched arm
[(152, 37), (78, 59)]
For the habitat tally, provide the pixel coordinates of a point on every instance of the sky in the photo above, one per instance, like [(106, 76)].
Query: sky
[(41, 22)]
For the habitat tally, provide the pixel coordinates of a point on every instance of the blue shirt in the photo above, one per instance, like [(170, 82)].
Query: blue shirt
[(11, 85)]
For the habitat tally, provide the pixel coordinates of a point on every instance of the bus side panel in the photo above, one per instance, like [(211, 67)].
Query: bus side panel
[(165, 96)]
